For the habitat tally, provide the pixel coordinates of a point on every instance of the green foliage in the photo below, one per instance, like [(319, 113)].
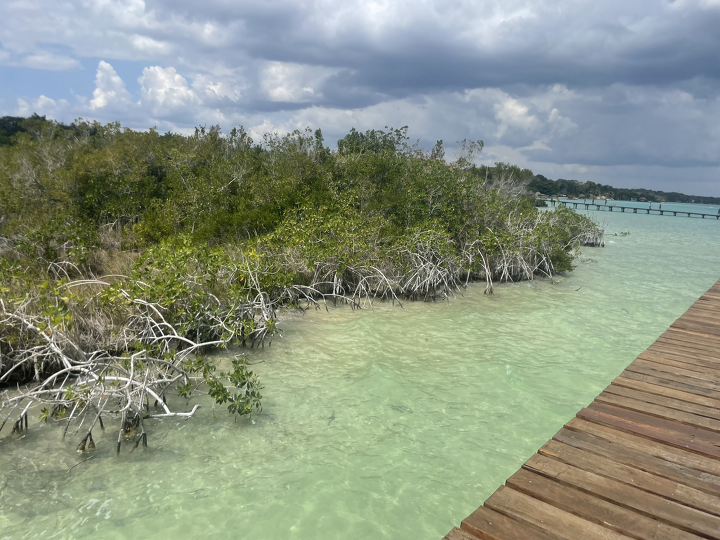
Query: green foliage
[(242, 396), (373, 142), (221, 228)]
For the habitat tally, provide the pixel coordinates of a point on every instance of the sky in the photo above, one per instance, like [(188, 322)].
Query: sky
[(625, 93)]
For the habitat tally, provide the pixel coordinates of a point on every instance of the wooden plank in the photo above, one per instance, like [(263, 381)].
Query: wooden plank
[(693, 363), (593, 509), (675, 325), (701, 329), (640, 459), (487, 524), (660, 434), (679, 352), (677, 349), (679, 334), (700, 302), (668, 381), (707, 302), (690, 363), (563, 524), (699, 336), (668, 367), (698, 321), (713, 292), (458, 534), (656, 422), (670, 454), (696, 328), (703, 311), (625, 474), (664, 373), (687, 347), (705, 306), (660, 411), (680, 348), (684, 335), (671, 403), (640, 383), (707, 377), (648, 504), (702, 317)]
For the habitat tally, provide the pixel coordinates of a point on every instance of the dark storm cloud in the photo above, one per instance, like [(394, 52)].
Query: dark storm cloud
[(577, 44)]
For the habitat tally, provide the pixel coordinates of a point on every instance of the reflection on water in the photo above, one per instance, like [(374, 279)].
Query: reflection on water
[(390, 423)]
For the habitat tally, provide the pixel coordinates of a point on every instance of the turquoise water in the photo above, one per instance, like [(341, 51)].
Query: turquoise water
[(384, 423)]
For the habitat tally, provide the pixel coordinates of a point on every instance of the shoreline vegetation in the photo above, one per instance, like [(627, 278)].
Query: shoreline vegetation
[(573, 188), (125, 256)]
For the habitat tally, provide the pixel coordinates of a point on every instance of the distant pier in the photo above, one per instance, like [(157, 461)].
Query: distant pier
[(641, 461), (635, 210)]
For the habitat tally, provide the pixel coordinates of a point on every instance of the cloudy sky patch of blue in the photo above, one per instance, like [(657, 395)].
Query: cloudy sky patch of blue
[(619, 92)]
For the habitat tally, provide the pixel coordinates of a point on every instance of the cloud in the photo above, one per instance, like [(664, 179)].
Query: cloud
[(109, 87), (150, 46), (560, 125), (512, 114), (39, 59), (216, 90), (165, 87), (293, 83), (49, 61)]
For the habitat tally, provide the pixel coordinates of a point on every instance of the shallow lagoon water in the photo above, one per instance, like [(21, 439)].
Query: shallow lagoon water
[(384, 423)]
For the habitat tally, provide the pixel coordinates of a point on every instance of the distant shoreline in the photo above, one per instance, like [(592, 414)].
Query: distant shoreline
[(565, 188)]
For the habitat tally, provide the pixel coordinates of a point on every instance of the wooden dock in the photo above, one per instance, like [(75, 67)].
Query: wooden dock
[(641, 461), (635, 209)]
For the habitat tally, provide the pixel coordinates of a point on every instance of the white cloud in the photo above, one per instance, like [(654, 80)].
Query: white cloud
[(561, 125), (123, 13), (150, 46), (109, 87), (49, 61), (42, 105), (511, 113), (210, 89), (292, 83), (678, 5), (165, 87), (23, 108), (266, 127)]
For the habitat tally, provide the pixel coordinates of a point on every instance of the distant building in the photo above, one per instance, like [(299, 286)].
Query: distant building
[(633, 199), (643, 199)]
